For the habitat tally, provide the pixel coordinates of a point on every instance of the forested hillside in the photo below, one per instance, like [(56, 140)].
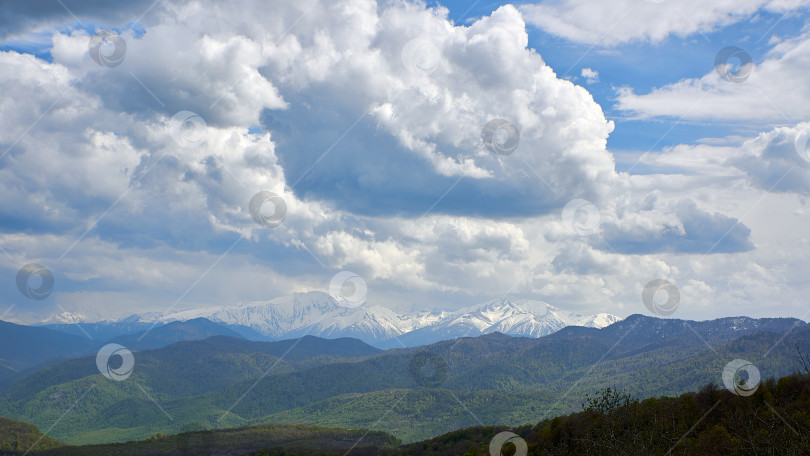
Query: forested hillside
[(17, 438), (494, 379), (775, 420), (276, 439)]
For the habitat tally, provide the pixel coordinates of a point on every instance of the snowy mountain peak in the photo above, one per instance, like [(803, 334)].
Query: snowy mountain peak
[(318, 313), (66, 318), (521, 305), (599, 320)]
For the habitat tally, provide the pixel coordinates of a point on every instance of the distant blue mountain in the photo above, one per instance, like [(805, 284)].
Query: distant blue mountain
[(103, 330), (23, 348), (177, 331)]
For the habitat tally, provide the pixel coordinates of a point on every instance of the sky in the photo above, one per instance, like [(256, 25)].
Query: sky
[(160, 156)]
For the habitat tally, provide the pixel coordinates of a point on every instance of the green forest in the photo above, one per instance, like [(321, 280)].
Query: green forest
[(490, 380), (713, 421)]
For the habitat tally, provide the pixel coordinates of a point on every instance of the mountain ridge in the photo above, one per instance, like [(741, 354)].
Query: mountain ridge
[(317, 313), (223, 381)]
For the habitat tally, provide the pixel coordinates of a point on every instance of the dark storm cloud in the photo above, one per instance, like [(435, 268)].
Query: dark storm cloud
[(26, 15)]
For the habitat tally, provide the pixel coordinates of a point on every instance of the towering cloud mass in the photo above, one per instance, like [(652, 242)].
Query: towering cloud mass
[(431, 158)]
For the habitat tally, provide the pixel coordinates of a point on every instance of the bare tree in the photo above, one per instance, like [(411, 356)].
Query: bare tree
[(805, 360)]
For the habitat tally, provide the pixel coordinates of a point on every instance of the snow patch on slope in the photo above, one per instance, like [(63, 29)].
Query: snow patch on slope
[(317, 313)]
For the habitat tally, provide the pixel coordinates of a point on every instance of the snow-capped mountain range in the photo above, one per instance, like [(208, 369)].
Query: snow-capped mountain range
[(319, 314)]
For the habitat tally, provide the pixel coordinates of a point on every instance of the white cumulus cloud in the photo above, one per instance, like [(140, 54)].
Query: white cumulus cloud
[(622, 21)]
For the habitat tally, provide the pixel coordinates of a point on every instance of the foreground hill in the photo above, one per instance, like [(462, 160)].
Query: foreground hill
[(491, 379), (270, 439), (17, 438), (774, 421)]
